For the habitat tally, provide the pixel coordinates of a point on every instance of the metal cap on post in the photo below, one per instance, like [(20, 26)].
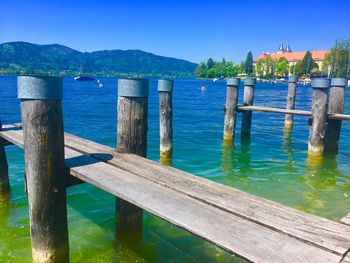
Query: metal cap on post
[(40, 87), (339, 82), (233, 82), (293, 79), (165, 85), (133, 88), (320, 83), (250, 82)]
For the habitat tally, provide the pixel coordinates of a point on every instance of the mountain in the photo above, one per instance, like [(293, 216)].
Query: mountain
[(28, 58)]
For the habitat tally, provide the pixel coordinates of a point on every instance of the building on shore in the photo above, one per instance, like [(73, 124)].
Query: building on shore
[(294, 57)]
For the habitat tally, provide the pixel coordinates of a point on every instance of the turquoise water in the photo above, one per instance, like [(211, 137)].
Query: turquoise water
[(273, 165)]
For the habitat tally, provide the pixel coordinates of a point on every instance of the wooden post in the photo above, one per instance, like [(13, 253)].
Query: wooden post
[(132, 138), (320, 88), (165, 89), (42, 122), (336, 105), (230, 113), (4, 173), (292, 85), (248, 98)]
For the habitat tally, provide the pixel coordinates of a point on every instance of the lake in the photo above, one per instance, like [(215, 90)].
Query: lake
[(272, 165)]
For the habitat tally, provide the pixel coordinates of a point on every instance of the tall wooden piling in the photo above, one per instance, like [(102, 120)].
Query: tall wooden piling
[(292, 85), (132, 138), (230, 113), (320, 89), (248, 98), (165, 89), (4, 173), (42, 122), (336, 105)]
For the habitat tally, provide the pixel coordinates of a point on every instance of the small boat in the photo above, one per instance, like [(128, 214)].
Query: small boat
[(84, 78)]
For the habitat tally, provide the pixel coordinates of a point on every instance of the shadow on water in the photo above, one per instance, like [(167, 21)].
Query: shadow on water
[(82, 160)]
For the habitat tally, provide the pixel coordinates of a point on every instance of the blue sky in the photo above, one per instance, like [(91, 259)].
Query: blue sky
[(192, 30)]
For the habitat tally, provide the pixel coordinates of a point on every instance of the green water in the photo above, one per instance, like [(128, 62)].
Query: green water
[(271, 164)]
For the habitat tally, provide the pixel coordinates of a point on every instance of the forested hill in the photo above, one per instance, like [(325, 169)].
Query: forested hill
[(27, 58)]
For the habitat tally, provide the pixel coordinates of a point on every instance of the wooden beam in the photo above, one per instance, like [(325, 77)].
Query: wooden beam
[(41, 111), (165, 89), (274, 110), (230, 110)]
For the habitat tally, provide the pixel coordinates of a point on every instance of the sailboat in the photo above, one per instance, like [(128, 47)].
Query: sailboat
[(81, 77)]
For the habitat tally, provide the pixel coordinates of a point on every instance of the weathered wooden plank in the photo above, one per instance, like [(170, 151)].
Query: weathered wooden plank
[(274, 110), (346, 219), (342, 117), (235, 234), (308, 228), (312, 229), (346, 258)]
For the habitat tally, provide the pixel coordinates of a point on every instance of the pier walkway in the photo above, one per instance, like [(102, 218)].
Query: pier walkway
[(251, 227)]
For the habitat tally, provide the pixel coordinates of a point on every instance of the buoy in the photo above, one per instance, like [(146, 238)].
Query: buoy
[(98, 81), (203, 88), (100, 85)]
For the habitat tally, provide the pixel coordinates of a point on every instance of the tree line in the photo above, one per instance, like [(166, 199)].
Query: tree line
[(335, 64)]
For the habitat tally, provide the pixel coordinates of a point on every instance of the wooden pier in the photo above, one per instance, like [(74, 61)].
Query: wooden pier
[(248, 226)]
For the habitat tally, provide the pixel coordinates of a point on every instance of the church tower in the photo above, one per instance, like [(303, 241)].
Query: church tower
[(280, 49)]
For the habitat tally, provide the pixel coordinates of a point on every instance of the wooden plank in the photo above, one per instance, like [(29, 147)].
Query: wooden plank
[(235, 234), (343, 117), (312, 229), (274, 110), (346, 219)]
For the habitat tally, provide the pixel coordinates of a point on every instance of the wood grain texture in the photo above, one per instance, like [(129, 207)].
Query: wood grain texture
[(4, 169), (336, 105), (319, 122), (132, 138), (274, 110), (230, 113), (44, 159), (288, 121), (321, 232), (346, 219), (166, 126), (248, 99), (232, 233), (331, 238)]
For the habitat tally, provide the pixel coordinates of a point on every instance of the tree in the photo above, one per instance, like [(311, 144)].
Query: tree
[(201, 70), (337, 61), (265, 68), (249, 64), (306, 65), (282, 67), (231, 69), (210, 63)]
